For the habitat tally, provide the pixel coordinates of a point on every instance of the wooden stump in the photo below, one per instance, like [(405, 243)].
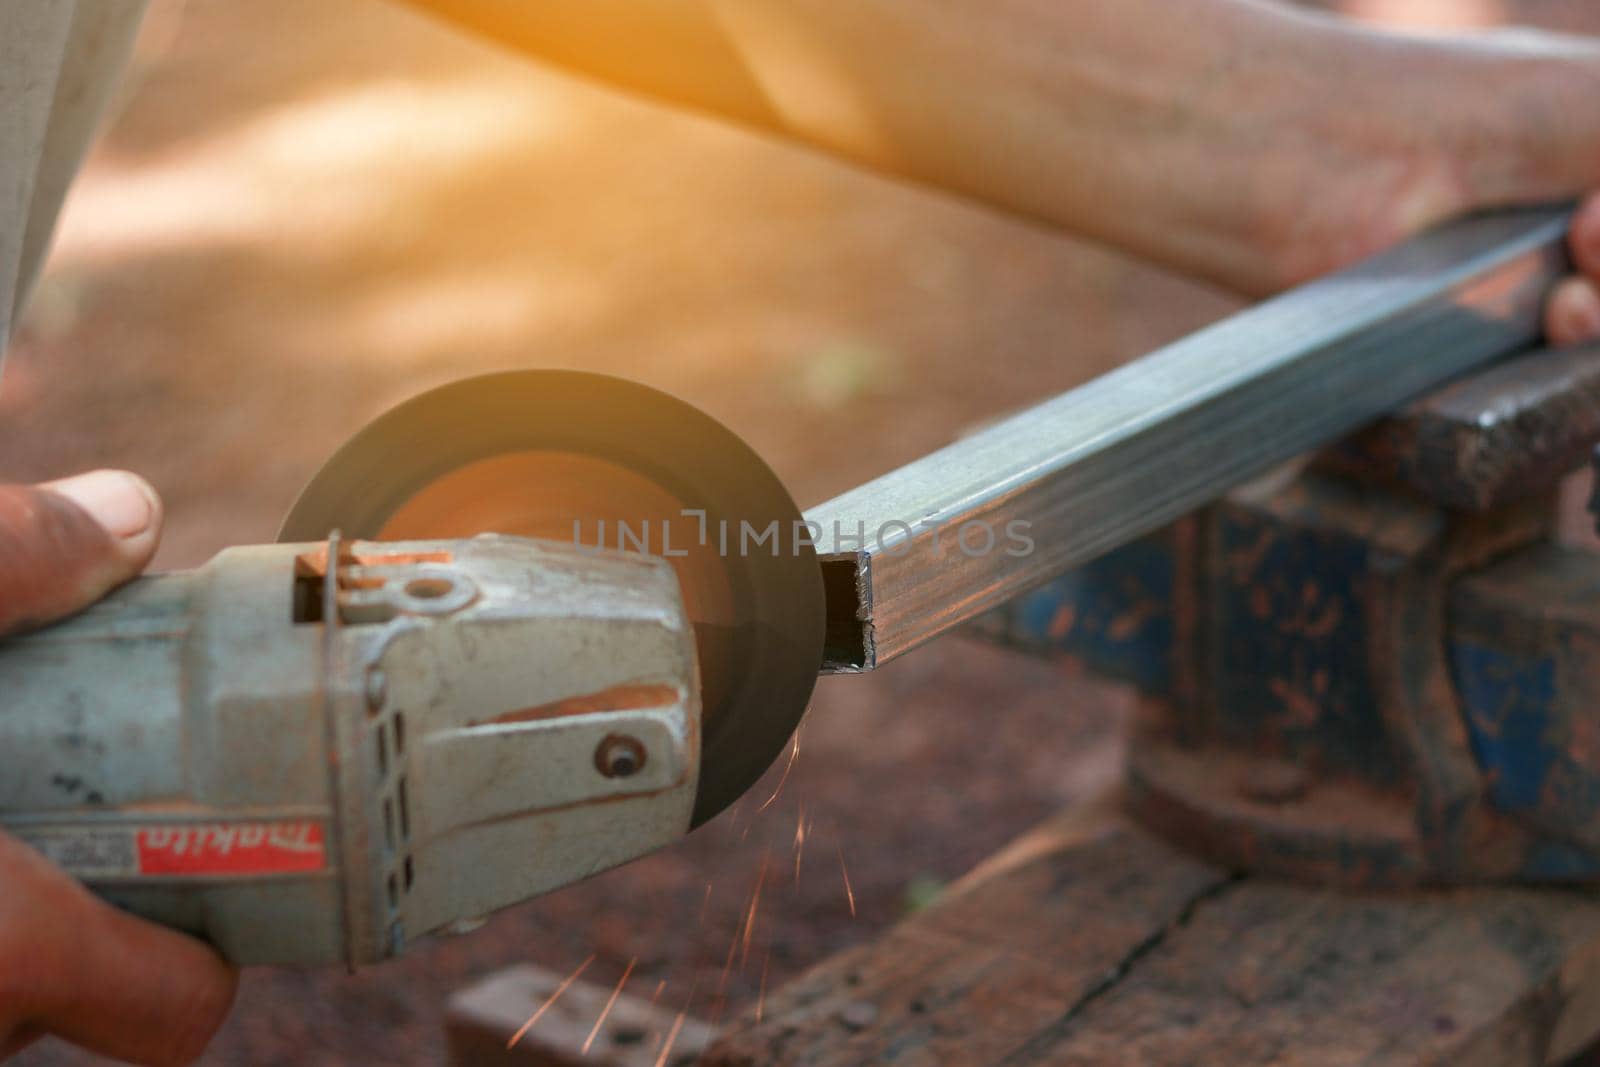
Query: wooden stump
[(1090, 941)]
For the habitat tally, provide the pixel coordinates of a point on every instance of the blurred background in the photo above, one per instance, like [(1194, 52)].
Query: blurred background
[(305, 212)]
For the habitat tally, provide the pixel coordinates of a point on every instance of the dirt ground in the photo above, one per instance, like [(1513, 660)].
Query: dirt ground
[(306, 212)]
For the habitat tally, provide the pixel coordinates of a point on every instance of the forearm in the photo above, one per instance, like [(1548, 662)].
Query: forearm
[(1183, 131), (1109, 118), (1063, 111)]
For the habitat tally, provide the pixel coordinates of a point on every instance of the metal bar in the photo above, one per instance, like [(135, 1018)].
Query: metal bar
[(921, 550)]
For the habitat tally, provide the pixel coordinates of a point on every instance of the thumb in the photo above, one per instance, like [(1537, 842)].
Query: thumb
[(65, 544)]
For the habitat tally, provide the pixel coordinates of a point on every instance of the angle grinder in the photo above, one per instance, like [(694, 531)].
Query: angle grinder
[(520, 629)]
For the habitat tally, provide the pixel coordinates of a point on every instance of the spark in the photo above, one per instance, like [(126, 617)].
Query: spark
[(794, 750), (705, 902), (655, 998), (672, 1037), (761, 996), (799, 842), (750, 916), (733, 817), (727, 964), (560, 989), (677, 1024), (610, 1003), (848, 892)]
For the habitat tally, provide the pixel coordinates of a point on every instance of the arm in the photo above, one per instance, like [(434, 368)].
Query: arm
[(1077, 114), (1242, 141)]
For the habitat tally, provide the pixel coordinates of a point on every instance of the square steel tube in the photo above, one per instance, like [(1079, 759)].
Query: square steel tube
[(919, 551)]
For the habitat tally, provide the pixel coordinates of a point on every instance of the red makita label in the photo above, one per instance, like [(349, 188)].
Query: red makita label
[(231, 848)]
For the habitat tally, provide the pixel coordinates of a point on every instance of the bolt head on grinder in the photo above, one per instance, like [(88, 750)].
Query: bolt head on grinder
[(572, 456)]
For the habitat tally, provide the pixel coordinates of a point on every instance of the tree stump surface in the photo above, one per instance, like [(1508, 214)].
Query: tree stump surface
[(1091, 941)]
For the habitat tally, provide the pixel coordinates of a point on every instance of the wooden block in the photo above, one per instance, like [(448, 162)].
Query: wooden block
[(1044, 925), (1093, 942), (482, 1018)]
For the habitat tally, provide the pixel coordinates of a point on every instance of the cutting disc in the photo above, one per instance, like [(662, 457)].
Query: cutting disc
[(558, 454)]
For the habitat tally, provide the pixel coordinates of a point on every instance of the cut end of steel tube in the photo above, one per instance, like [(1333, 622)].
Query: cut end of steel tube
[(847, 645)]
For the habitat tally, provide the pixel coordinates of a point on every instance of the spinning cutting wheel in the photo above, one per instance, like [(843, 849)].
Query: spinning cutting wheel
[(567, 455)]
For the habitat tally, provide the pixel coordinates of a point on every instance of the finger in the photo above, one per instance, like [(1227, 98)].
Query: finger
[(1572, 314), (1585, 238), (100, 978), (65, 544)]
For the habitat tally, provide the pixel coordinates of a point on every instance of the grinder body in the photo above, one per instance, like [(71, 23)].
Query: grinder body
[(307, 753)]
